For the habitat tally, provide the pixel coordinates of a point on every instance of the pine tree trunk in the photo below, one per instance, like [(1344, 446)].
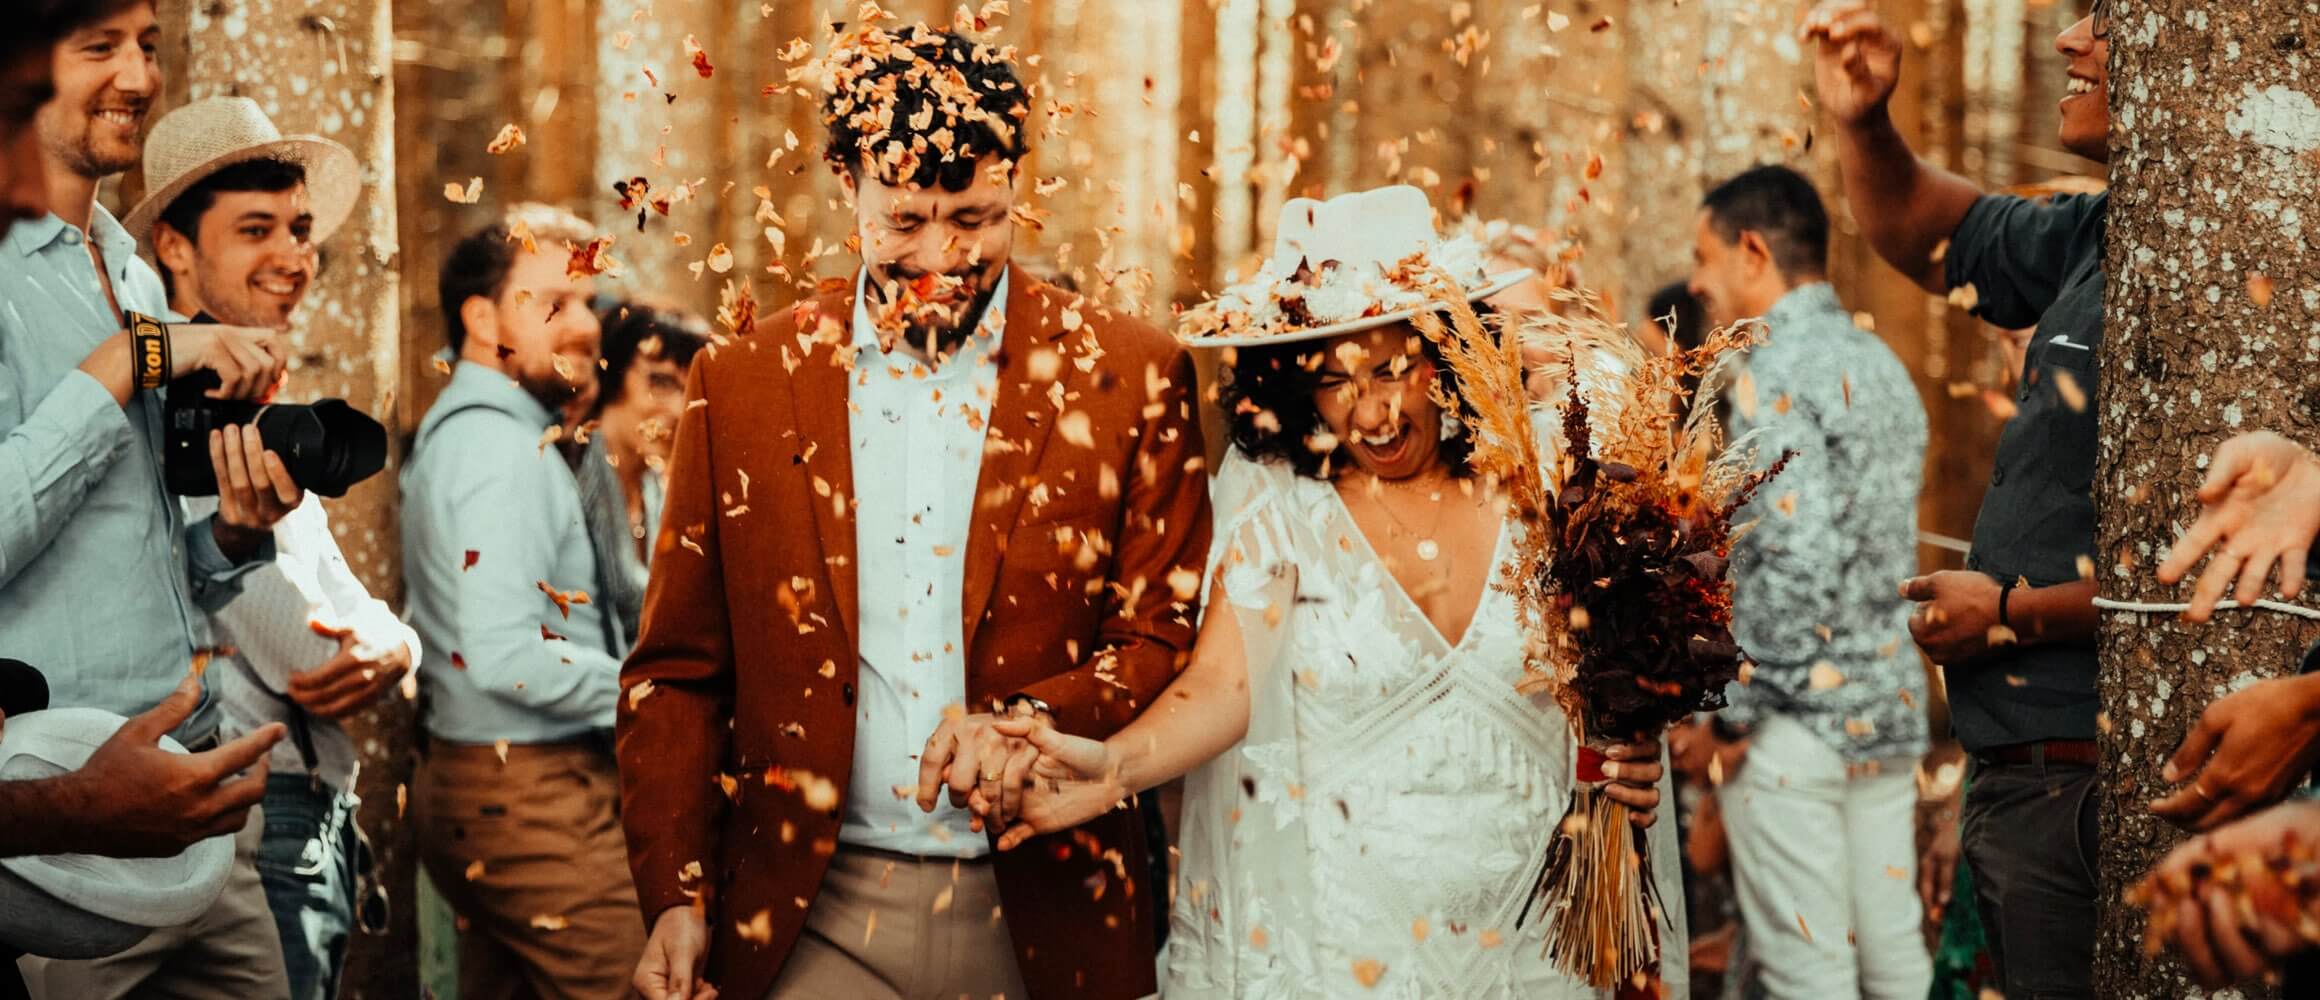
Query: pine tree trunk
[(2213, 293)]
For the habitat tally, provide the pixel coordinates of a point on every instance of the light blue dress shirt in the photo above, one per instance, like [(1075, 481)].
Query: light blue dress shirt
[(502, 661), (103, 584)]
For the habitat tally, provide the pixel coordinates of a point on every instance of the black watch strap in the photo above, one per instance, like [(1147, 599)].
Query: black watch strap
[(2005, 591)]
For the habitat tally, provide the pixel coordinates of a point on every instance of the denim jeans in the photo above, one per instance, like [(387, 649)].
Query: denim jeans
[(310, 860)]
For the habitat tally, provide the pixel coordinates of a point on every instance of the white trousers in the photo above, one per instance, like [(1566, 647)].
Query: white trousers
[(1825, 865)]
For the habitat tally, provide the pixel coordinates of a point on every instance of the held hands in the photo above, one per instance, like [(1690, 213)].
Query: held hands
[(2260, 505), (674, 955), (1956, 611), (2246, 750), (1074, 780), (2231, 930), (1857, 63), (352, 680), (972, 756)]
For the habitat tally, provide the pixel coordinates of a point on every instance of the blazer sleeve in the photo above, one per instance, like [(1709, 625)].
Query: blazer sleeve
[(1154, 598), (676, 701)]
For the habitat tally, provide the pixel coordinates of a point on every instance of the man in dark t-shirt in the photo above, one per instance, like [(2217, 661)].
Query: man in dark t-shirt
[(2025, 708)]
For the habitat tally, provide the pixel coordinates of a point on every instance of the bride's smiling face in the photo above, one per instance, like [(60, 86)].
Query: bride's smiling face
[(1376, 398)]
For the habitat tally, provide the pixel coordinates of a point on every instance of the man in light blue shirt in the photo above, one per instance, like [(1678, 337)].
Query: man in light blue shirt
[(514, 800), (102, 582)]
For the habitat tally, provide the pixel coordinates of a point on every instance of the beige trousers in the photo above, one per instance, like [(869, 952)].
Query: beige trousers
[(530, 856), (891, 927), (233, 952)]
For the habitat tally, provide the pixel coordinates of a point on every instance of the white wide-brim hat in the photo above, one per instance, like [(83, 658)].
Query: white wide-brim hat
[(82, 905), (1345, 265), (204, 137)]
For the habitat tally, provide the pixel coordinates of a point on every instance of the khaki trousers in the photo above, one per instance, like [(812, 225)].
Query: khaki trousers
[(530, 856), (232, 952), (892, 927)]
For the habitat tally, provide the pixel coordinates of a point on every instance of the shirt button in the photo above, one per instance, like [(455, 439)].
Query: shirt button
[(1998, 477), (72, 237)]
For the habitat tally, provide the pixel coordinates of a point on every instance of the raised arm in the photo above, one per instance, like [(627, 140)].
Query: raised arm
[(1906, 206)]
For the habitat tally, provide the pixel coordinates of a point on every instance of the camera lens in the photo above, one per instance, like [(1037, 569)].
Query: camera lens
[(327, 446)]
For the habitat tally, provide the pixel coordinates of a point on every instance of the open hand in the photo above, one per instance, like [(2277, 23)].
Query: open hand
[(352, 680), (2260, 506), (134, 799), (2246, 750)]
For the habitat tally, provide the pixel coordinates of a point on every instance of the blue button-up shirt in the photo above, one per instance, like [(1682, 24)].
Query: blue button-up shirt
[(103, 584), (490, 513)]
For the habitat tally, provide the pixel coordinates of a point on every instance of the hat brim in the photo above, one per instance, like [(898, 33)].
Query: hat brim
[(147, 892), (1290, 335), (333, 183)]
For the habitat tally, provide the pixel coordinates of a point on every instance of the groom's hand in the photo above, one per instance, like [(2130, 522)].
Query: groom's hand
[(966, 753), (673, 957)]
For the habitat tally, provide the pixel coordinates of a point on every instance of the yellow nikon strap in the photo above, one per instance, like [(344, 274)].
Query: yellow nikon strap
[(149, 343)]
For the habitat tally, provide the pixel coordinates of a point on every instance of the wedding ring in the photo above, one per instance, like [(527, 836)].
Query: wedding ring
[(2201, 791)]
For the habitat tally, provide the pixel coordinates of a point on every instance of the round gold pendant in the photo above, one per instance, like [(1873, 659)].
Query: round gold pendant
[(1428, 550)]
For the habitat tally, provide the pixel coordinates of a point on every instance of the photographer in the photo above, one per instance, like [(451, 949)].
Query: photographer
[(235, 215), (102, 581)]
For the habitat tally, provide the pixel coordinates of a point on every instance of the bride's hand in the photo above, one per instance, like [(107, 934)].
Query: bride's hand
[(1075, 780), (1634, 770)]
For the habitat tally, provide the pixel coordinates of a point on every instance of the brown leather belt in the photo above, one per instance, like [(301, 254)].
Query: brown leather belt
[(2043, 752)]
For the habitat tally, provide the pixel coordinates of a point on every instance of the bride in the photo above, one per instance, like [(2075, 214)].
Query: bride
[(1369, 800)]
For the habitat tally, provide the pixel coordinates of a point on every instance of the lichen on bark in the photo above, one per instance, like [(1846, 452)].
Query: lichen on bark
[(2210, 303)]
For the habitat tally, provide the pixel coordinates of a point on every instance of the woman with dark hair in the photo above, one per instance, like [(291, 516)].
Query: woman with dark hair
[(640, 392), (1368, 797)]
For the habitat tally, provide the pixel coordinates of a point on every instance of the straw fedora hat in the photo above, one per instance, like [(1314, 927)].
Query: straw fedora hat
[(1351, 263), (207, 136), (81, 905)]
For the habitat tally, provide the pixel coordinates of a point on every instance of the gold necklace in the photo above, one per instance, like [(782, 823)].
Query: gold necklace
[(1428, 549)]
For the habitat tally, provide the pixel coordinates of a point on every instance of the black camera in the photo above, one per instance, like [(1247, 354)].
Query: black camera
[(327, 445)]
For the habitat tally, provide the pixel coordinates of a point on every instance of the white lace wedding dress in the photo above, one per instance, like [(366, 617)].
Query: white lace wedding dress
[(1381, 826)]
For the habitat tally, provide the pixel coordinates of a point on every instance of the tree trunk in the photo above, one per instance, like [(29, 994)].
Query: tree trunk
[(322, 67), (2212, 296)]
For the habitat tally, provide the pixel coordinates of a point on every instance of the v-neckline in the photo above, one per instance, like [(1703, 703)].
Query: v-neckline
[(1393, 583)]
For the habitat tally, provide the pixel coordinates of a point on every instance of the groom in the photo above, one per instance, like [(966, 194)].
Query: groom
[(943, 493)]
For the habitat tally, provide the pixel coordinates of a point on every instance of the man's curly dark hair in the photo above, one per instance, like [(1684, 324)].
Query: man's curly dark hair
[(1282, 381), (948, 101)]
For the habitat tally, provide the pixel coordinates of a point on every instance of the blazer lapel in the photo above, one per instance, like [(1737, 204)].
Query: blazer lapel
[(819, 397), (1022, 419)]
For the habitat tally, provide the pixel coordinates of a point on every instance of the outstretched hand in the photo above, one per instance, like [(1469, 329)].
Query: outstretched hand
[(2260, 506)]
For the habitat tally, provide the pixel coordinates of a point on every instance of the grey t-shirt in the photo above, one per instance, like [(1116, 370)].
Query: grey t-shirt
[(2035, 263)]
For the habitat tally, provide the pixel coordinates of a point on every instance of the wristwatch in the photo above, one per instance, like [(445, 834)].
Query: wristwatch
[(1023, 706)]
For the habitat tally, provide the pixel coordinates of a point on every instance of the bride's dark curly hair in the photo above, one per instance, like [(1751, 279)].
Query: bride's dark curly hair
[(1268, 392)]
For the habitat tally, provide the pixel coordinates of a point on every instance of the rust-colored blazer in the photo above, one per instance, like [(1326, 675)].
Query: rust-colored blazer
[(1086, 548)]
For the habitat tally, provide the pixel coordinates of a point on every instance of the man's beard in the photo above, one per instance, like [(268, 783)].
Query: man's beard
[(549, 386), (937, 338)]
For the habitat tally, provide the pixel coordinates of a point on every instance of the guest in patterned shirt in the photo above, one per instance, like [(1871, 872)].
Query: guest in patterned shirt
[(1820, 813)]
